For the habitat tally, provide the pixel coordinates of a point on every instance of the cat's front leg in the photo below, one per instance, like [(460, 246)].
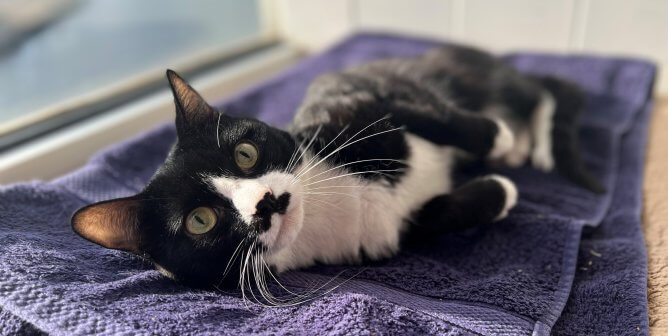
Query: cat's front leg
[(483, 200)]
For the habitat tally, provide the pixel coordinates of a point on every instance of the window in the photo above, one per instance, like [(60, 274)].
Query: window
[(63, 61)]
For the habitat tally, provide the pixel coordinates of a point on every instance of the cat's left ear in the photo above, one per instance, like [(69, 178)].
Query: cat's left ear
[(112, 224), (190, 106)]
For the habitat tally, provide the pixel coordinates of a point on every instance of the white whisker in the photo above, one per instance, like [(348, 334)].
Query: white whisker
[(313, 290), (322, 149), (345, 186), (350, 144), (232, 258), (344, 143), (275, 279), (356, 173), (248, 268), (217, 129), (254, 265), (331, 193), (351, 163), (315, 135), (294, 156)]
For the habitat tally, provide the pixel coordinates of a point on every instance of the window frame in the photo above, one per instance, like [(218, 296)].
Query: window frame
[(75, 109)]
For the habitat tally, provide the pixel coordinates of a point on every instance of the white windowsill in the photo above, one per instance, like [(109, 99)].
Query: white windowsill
[(68, 148)]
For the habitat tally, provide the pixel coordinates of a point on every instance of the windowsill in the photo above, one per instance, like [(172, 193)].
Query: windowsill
[(61, 151)]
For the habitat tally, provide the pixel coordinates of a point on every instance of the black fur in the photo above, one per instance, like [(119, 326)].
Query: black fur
[(477, 202)]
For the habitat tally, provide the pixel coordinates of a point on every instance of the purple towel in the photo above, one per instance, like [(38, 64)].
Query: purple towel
[(512, 277)]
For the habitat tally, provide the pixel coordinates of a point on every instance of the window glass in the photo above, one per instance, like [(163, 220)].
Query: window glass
[(53, 51)]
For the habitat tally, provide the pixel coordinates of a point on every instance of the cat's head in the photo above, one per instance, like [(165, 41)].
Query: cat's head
[(226, 187)]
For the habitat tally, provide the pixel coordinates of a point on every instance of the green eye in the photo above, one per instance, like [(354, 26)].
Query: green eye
[(245, 155), (201, 220)]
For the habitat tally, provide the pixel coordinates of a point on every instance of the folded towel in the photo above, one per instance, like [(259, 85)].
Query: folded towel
[(609, 295), (511, 277)]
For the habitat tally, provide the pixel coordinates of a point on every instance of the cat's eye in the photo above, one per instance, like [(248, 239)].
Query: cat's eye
[(201, 220), (245, 155)]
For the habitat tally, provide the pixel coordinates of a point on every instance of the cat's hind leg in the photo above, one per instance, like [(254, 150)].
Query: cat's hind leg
[(483, 200)]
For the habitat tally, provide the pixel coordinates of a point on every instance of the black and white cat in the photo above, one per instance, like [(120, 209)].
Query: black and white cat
[(369, 157)]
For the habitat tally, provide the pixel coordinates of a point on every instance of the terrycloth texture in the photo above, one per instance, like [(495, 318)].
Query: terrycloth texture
[(609, 294), (512, 277), (656, 219)]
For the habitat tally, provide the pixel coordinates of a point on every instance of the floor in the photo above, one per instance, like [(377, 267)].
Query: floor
[(656, 217)]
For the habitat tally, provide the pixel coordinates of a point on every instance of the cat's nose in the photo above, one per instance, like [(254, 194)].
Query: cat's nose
[(268, 206)]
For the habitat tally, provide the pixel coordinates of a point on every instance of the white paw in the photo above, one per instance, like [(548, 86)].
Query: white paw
[(518, 156), (516, 159), (541, 159), (503, 142), (511, 195)]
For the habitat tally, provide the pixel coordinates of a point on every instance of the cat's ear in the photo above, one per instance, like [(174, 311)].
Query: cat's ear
[(112, 224), (190, 106)]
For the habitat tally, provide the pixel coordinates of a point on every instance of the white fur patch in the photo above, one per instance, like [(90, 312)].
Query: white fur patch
[(503, 142), (165, 272), (245, 194), (518, 156), (541, 128), (511, 195)]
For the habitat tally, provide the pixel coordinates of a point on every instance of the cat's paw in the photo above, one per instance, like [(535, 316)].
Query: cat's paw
[(542, 159), (519, 154), (503, 141), (510, 192), (515, 159)]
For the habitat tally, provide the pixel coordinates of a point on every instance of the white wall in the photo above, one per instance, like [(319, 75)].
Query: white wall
[(622, 27)]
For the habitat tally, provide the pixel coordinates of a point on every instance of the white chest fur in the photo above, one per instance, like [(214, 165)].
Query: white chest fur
[(344, 214)]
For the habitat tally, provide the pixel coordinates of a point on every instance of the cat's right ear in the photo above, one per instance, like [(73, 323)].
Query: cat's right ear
[(112, 224), (191, 108)]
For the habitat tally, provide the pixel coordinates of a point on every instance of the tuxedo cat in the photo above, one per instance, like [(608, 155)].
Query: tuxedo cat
[(369, 158)]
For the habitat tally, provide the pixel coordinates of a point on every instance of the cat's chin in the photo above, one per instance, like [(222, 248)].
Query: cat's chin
[(284, 228)]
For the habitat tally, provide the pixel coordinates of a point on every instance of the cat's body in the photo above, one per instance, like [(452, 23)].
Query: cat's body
[(350, 217), (370, 156)]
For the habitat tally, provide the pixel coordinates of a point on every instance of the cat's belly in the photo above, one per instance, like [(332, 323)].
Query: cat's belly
[(347, 215), (385, 210)]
